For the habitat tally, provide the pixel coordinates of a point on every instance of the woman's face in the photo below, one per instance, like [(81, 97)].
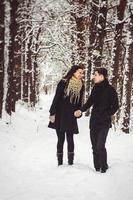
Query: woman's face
[(79, 74)]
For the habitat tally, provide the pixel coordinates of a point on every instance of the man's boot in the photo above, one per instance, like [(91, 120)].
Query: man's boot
[(70, 158), (60, 158), (104, 168)]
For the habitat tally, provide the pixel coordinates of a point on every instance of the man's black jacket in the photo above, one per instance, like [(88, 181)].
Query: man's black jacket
[(104, 100)]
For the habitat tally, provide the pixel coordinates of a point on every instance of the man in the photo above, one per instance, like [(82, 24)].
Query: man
[(104, 100)]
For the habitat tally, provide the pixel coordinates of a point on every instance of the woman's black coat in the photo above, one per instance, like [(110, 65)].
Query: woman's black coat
[(104, 100), (65, 121)]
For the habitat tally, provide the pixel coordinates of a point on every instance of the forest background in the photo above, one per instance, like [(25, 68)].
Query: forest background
[(41, 39)]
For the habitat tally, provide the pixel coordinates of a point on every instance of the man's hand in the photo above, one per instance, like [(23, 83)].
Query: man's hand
[(77, 113), (52, 118)]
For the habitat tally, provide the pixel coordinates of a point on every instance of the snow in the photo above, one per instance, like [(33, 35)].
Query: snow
[(28, 166)]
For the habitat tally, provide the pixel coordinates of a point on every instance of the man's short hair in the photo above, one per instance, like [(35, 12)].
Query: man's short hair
[(102, 71)]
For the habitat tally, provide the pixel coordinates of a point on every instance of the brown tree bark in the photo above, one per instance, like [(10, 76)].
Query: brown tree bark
[(101, 33), (92, 38), (118, 46), (118, 54), (2, 28), (81, 30), (29, 67), (30, 72), (11, 93), (27, 54), (17, 67), (128, 82), (78, 31), (35, 92)]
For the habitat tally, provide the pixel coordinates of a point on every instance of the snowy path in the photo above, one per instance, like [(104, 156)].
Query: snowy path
[(29, 171)]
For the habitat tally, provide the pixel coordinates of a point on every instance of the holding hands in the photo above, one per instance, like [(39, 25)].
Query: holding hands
[(77, 113), (52, 118)]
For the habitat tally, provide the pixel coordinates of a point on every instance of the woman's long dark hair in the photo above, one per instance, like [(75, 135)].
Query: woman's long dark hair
[(70, 73)]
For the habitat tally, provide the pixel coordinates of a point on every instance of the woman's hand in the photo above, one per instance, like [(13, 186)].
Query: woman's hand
[(77, 113), (52, 118)]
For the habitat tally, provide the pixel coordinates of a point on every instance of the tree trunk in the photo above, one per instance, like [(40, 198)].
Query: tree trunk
[(81, 31), (27, 62), (92, 37), (101, 33), (79, 27), (128, 81), (118, 46), (35, 92), (119, 54), (29, 48), (11, 93), (17, 67), (30, 72), (2, 29)]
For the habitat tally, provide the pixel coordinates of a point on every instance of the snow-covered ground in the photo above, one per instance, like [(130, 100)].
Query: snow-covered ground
[(28, 166)]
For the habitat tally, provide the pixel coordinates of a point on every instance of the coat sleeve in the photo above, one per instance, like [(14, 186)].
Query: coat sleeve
[(114, 104), (89, 102), (56, 99)]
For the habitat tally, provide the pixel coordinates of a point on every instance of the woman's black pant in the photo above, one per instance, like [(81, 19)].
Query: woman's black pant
[(61, 140), (98, 139)]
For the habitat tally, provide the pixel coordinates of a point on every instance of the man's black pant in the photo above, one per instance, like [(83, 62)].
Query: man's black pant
[(61, 140), (98, 138)]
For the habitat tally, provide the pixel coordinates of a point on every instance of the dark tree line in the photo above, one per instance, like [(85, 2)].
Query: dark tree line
[(109, 46), (22, 70), (101, 34)]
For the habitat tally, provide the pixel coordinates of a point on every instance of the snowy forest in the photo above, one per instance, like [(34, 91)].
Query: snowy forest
[(39, 42), (41, 39)]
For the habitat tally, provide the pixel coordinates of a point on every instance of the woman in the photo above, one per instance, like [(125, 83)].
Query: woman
[(67, 99)]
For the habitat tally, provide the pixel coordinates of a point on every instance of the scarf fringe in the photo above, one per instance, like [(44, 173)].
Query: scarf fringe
[(73, 90)]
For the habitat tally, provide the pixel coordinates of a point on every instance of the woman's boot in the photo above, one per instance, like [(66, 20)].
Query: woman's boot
[(60, 158), (70, 158)]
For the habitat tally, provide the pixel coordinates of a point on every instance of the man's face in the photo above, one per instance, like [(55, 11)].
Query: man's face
[(98, 77)]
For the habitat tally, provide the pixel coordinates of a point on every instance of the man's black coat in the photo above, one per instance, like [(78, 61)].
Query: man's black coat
[(104, 100)]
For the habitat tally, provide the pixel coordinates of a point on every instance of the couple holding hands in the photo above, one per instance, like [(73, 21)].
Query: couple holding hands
[(68, 105)]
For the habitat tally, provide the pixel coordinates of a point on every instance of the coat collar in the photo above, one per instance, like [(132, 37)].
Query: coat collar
[(103, 83)]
